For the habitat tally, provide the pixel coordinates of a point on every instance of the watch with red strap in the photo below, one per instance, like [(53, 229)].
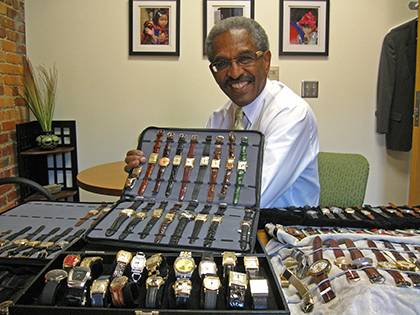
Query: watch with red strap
[(319, 271), (215, 165), (153, 158), (164, 161), (341, 261), (189, 165)]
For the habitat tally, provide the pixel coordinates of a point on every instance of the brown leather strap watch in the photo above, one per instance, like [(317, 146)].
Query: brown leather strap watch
[(228, 167), (215, 165), (360, 261), (91, 213), (387, 265), (189, 165), (164, 161), (319, 270), (153, 158), (341, 261)]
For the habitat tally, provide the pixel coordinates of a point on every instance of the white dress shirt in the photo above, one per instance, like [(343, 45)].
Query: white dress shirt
[(290, 167)]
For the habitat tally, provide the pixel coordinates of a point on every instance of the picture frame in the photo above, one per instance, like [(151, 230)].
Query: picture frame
[(304, 27), (154, 27), (216, 10)]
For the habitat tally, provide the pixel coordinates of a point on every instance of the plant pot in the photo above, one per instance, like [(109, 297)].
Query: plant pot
[(47, 141)]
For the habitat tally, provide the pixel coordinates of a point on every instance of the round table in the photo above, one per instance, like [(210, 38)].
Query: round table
[(105, 179)]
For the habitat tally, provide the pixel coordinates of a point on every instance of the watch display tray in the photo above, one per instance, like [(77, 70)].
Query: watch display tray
[(42, 217), (197, 170), (302, 216), (28, 302)]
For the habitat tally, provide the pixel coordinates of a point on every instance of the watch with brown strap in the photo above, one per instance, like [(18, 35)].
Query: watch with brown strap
[(215, 165), (91, 213), (319, 270), (341, 261), (360, 261), (189, 165), (176, 162), (153, 158), (164, 161), (228, 167), (387, 265)]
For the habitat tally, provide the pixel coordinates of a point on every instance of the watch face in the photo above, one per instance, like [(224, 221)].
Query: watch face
[(211, 283), (138, 262), (184, 265), (163, 162), (229, 258), (99, 286), (78, 277), (153, 262), (238, 278), (207, 267), (56, 275), (362, 262), (118, 282), (124, 256), (319, 267), (251, 262), (154, 281), (127, 212)]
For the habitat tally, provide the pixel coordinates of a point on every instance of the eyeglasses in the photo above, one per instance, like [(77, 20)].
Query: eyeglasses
[(245, 59)]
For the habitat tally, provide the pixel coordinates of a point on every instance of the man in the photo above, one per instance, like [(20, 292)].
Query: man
[(239, 55)]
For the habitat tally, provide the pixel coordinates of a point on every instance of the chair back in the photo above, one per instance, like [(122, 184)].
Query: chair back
[(343, 179)]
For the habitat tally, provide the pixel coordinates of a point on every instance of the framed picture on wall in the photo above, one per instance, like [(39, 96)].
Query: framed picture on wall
[(217, 10), (304, 27), (154, 27)]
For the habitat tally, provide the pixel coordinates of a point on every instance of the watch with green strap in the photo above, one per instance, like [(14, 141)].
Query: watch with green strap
[(241, 169)]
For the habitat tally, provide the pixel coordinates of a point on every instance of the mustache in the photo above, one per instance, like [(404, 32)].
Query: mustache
[(243, 78)]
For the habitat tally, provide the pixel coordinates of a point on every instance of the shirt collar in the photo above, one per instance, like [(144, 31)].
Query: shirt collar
[(252, 110)]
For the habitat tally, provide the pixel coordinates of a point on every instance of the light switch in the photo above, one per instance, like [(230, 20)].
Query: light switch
[(309, 89)]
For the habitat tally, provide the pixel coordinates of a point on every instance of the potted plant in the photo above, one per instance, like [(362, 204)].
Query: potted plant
[(39, 94)]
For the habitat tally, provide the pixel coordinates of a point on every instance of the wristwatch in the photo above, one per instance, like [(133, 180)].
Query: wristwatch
[(387, 265), (319, 271), (164, 161), (228, 262), (359, 261), (366, 213), (176, 162), (116, 288), (156, 264), (123, 259), (184, 265), (313, 214), (204, 162), (245, 229), (154, 291), (238, 283), (259, 293), (123, 215), (10, 243), (20, 245), (352, 213), (211, 233), (327, 212), (77, 283), (393, 211), (211, 286), (99, 292), (228, 167), (13, 236), (252, 266), (189, 165), (133, 177), (136, 219), (102, 214), (378, 211), (61, 244), (156, 214), (71, 261), (241, 169), (182, 289), (339, 212), (307, 299), (91, 213), (137, 266), (95, 264), (214, 167), (153, 158), (167, 220), (207, 266), (341, 260), (199, 220), (184, 217), (53, 280)]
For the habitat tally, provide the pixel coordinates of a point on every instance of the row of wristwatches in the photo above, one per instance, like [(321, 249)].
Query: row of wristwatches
[(208, 161), (81, 282), (389, 258), (194, 213)]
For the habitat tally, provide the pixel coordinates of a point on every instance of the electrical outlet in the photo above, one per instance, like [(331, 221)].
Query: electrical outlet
[(273, 74), (309, 89)]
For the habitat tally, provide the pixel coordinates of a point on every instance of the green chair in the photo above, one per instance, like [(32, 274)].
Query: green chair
[(343, 179)]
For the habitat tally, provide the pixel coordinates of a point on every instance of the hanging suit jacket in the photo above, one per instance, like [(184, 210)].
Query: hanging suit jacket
[(396, 79)]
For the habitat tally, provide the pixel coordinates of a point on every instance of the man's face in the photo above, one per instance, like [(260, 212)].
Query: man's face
[(241, 83)]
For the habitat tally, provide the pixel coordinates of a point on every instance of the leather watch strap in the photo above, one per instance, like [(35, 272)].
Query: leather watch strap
[(211, 233), (184, 218), (215, 165), (167, 220), (210, 299), (410, 254), (156, 214), (153, 296), (49, 293), (189, 165), (17, 243), (153, 158), (91, 213), (241, 169), (164, 161), (228, 167), (123, 216), (204, 162), (137, 218), (338, 253), (201, 217), (38, 244), (394, 253), (398, 278), (325, 289), (176, 162)]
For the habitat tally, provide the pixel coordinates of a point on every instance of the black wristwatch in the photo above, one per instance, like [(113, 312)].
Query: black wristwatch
[(176, 162), (204, 162), (137, 218), (184, 217), (77, 283), (245, 230), (156, 214), (54, 279), (199, 220), (238, 283), (122, 217)]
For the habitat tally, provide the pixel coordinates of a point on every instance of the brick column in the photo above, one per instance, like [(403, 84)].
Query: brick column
[(12, 106)]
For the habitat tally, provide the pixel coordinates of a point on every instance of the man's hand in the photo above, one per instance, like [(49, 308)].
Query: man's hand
[(133, 159)]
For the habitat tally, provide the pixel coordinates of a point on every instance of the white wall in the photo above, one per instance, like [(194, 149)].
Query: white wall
[(113, 96)]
